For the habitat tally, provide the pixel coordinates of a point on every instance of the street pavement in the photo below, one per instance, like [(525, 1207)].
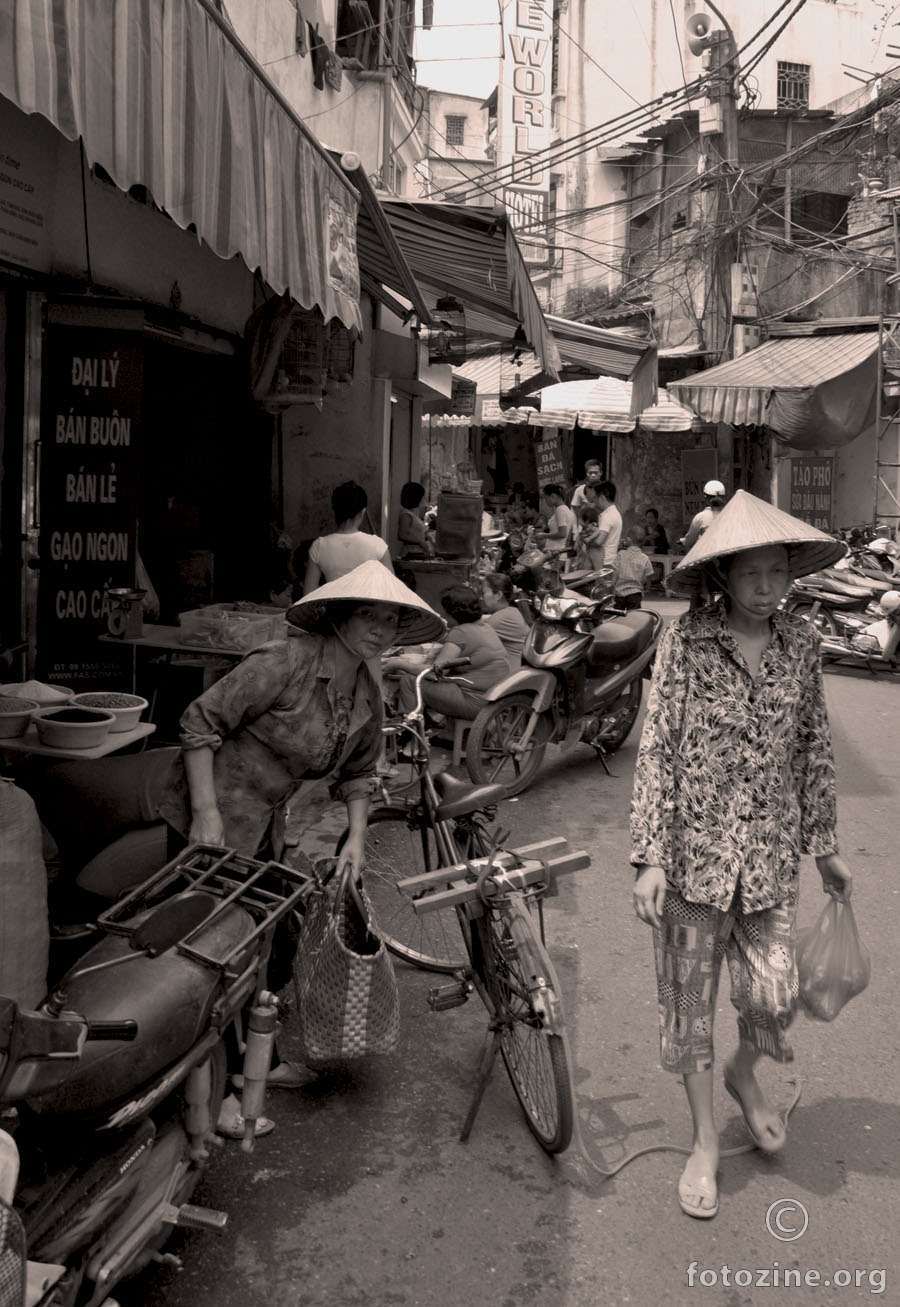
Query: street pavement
[(364, 1195)]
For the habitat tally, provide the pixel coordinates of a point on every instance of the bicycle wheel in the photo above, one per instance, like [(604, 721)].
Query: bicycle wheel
[(395, 850), (492, 755), (519, 977), (616, 725)]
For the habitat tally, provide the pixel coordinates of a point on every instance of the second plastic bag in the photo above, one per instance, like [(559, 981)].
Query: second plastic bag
[(832, 965)]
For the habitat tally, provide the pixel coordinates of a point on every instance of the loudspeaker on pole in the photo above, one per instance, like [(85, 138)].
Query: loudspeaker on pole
[(698, 30)]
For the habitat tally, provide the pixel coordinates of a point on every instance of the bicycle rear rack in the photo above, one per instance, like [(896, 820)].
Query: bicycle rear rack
[(533, 867)]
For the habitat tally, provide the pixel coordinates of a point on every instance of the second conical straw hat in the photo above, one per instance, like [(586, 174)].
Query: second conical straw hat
[(749, 523), (375, 582)]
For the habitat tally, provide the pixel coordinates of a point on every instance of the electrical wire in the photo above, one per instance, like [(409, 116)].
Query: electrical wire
[(622, 124)]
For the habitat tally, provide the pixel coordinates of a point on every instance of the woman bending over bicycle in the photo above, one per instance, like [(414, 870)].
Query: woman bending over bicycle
[(294, 709), (469, 637)]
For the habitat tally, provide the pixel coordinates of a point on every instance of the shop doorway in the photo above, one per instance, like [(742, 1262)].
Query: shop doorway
[(205, 490)]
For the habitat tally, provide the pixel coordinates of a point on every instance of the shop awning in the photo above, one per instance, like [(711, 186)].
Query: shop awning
[(164, 95), (495, 373), (609, 353), (382, 265), (604, 404), (472, 255), (811, 391)]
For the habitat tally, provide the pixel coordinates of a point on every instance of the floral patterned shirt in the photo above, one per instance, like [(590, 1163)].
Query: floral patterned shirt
[(276, 720), (735, 775)]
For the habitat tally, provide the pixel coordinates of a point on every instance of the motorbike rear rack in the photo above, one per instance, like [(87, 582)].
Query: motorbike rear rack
[(267, 890)]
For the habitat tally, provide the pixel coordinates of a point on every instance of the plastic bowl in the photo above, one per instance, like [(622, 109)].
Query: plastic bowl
[(15, 714), (126, 708), (45, 696), (70, 727)]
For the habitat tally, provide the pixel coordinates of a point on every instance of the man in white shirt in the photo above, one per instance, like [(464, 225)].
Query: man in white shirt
[(593, 474), (609, 528), (560, 523)]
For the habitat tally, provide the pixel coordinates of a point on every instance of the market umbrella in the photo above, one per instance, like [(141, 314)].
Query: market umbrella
[(604, 404)]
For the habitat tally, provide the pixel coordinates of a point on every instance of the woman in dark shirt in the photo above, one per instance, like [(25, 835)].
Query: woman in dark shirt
[(299, 708), (469, 637)]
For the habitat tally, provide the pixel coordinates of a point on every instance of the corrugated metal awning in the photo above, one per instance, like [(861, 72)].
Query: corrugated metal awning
[(472, 254), (812, 390), (495, 374), (605, 404), (164, 95), (608, 353)]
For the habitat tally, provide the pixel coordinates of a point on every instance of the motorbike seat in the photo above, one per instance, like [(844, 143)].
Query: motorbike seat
[(457, 798), (622, 638), (170, 998)]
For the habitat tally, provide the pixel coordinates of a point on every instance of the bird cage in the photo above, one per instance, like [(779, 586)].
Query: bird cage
[(447, 335)]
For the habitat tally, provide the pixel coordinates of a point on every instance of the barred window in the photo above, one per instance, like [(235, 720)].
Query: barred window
[(793, 85), (455, 129)]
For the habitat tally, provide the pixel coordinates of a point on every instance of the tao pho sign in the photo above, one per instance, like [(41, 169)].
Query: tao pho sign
[(811, 486), (523, 121)]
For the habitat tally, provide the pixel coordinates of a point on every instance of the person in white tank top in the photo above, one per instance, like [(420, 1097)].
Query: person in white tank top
[(333, 556)]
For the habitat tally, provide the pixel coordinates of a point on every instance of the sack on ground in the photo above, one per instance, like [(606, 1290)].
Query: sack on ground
[(832, 965), (348, 1003), (24, 928)]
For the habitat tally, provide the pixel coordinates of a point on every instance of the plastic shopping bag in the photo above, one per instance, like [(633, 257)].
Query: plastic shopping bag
[(832, 965)]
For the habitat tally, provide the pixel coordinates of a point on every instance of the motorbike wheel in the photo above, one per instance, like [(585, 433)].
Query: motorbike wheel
[(823, 621), (495, 733), (616, 726)]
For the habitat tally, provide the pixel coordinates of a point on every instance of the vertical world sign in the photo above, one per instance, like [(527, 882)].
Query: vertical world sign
[(523, 121), (88, 497)]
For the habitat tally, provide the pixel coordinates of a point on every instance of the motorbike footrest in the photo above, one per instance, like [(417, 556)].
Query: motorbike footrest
[(191, 1217)]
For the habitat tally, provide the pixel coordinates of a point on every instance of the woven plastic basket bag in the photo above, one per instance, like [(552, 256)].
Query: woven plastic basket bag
[(348, 1004)]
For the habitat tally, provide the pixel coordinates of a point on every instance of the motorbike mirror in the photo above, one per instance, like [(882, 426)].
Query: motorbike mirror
[(172, 922)]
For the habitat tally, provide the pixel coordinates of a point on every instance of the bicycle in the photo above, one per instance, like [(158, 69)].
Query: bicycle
[(495, 896), (438, 880), (440, 821)]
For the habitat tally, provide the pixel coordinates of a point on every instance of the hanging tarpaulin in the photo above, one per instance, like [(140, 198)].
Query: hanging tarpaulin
[(163, 95), (812, 392)]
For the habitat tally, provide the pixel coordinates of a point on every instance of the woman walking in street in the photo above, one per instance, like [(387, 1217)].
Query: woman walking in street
[(734, 780)]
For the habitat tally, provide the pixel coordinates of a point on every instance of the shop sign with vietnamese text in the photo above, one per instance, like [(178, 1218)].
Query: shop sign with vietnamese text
[(88, 498), (549, 458), (811, 491)]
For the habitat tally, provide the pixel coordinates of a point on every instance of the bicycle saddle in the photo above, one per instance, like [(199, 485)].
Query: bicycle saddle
[(457, 798)]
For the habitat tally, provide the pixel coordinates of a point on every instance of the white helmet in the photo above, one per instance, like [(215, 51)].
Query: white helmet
[(714, 488), (883, 545), (890, 601)]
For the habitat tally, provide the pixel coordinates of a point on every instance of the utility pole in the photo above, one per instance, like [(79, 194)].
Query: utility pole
[(718, 126)]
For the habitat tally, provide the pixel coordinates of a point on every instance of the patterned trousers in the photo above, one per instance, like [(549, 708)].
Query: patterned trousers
[(760, 950)]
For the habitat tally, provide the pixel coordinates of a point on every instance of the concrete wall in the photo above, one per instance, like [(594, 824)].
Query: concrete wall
[(645, 55), (350, 118)]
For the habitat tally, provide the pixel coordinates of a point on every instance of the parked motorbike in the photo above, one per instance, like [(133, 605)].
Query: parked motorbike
[(831, 597), (117, 1079), (582, 669), (875, 645)]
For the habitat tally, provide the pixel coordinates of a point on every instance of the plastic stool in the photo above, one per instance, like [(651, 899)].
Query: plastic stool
[(461, 726)]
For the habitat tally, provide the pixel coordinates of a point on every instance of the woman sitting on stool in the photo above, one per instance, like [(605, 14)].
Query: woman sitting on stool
[(468, 637)]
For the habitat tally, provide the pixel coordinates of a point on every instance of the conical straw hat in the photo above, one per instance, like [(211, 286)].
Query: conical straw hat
[(749, 523), (370, 581)]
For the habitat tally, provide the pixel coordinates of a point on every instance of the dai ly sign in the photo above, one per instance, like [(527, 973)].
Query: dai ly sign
[(811, 485)]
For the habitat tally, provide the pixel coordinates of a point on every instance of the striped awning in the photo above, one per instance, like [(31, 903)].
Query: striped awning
[(604, 404), (164, 95), (472, 255), (816, 390), (609, 353)]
